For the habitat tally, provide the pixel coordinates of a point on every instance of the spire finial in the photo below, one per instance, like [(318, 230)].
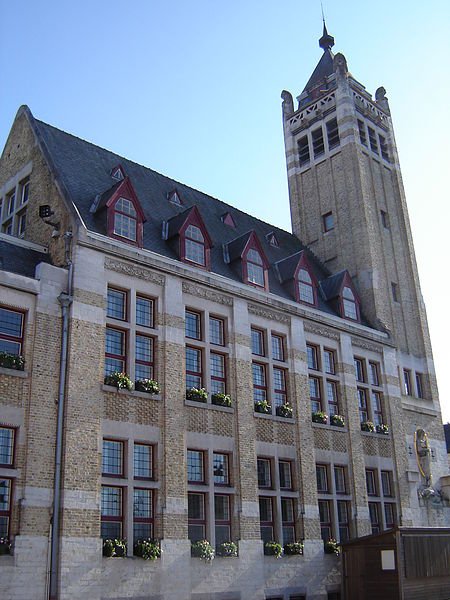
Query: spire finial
[(326, 42)]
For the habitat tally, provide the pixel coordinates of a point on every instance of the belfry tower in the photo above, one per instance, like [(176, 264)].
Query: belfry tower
[(348, 204)]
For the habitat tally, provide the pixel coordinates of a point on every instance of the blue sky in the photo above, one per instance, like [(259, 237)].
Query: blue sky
[(192, 89)]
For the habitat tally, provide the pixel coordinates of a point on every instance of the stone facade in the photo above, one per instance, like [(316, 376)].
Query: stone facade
[(328, 465)]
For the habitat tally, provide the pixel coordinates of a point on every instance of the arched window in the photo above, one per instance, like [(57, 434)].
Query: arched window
[(194, 245), (255, 268), (305, 287), (125, 219), (349, 304)]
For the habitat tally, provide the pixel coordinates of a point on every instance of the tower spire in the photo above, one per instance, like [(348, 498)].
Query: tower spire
[(326, 42)]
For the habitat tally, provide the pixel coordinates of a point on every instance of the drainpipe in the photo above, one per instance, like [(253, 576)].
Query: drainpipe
[(65, 300)]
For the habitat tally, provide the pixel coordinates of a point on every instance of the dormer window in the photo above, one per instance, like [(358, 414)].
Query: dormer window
[(117, 173), (227, 219), (125, 219), (194, 245), (255, 268), (349, 304), (305, 287), (175, 198)]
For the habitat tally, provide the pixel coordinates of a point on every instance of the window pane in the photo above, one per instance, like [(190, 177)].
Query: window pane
[(142, 505), (265, 509), (386, 483), (306, 292), (195, 466), (257, 342), (142, 460), (223, 534), (144, 348), (144, 311), (116, 304), (264, 474), (125, 226), (255, 274), (5, 494), (217, 365), (222, 507), (287, 510), (112, 458), (125, 206), (329, 361), (254, 257), (311, 354), (322, 478), (350, 309), (339, 480), (277, 347), (192, 325), (111, 501), (285, 474), (220, 468), (216, 331), (11, 323), (195, 252), (259, 374), (142, 531), (111, 530), (6, 446), (115, 342)]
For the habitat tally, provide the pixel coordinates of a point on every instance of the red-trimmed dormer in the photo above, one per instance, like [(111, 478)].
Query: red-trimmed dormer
[(295, 272), (194, 242), (340, 290), (248, 249), (125, 217)]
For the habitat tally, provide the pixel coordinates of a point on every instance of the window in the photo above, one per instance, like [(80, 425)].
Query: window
[(7, 441), (306, 292), (407, 382), (382, 508), (217, 370), (279, 385), (11, 331), (383, 147), (314, 394), (329, 362), (259, 382), (334, 501), (277, 347), (13, 220), (362, 404), (143, 461), (312, 357), (196, 517), (349, 304), (332, 397), (116, 306), (340, 483), (359, 370), (193, 325), (384, 219), (328, 221), (266, 518), (111, 512), (285, 474), (6, 485), (332, 134), (220, 468), (128, 347), (322, 478), (287, 520), (395, 295), (370, 401), (258, 342), (195, 466), (419, 385), (112, 458), (216, 331), (264, 473), (115, 359), (362, 133), (194, 245), (125, 219), (317, 142), (255, 268), (142, 513), (193, 368), (377, 409), (145, 311), (372, 140), (222, 515), (303, 151), (373, 374)]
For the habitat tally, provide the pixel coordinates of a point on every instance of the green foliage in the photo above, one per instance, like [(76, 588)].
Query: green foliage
[(227, 549), (147, 549), (12, 361), (337, 420), (150, 386), (197, 394), (273, 549), (367, 426), (116, 547), (221, 399), (285, 410), (202, 549), (384, 429), (293, 548), (320, 417), (119, 380), (331, 547), (5, 546), (262, 406)]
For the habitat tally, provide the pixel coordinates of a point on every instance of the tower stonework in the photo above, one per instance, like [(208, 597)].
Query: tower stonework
[(348, 204)]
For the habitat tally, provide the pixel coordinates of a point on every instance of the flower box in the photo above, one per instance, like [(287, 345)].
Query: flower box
[(227, 549), (368, 426), (202, 549), (285, 410), (149, 386), (263, 407), (147, 549), (196, 394), (5, 546), (383, 429), (114, 548), (12, 361), (119, 380), (337, 421), (319, 417), (221, 400), (293, 548), (331, 547), (273, 549)]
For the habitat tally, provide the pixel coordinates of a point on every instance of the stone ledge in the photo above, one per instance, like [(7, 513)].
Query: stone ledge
[(274, 417), (329, 427), (13, 372), (113, 390), (209, 405)]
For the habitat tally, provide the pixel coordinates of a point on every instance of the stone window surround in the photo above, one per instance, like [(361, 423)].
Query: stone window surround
[(14, 185), (369, 387), (320, 348), (379, 498), (333, 496)]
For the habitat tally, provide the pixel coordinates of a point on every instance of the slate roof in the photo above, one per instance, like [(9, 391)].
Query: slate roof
[(323, 69), (23, 261), (84, 172)]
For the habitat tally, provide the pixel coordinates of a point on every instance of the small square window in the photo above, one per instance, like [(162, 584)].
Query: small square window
[(312, 356), (145, 311), (143, 461), (196, 467), (328, 221), (220, 468), (116, 306), (329, 362), (277, 347), (258, 342), (112, 458)]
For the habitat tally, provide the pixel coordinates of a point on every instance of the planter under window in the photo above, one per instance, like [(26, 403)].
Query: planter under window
[(368, 426), (319, 417), (284, 410), (383, 429), (221, 400), (12, 361), (263, 407), (337, 421), (196, 394), (148, 386)]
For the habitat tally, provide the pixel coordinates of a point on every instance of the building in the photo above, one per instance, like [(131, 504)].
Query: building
[(334, 427)]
